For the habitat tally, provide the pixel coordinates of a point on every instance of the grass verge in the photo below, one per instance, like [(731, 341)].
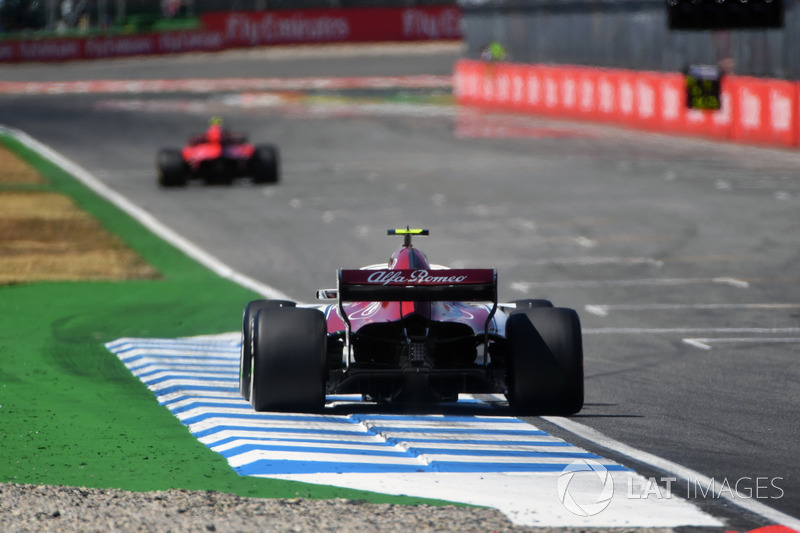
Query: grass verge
[(71, 413)]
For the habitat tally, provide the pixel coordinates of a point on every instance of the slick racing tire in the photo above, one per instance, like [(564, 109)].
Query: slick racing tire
[(545, 367), (246, 351), (171, 168), (288, 360), (531, 304), (265, 164)]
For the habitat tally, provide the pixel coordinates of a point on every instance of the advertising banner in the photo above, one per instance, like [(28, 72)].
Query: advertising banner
[(627, 110), (49, 50), (766, 111), (258, 28), (672, 103), (225, 30), (753, 110), (647, 101)]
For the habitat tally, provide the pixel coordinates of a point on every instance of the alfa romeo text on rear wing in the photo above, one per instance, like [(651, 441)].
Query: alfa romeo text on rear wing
[(417, 285)]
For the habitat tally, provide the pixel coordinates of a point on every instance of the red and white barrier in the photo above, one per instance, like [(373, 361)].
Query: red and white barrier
[(253, 28), (754, 110), (257, 28)]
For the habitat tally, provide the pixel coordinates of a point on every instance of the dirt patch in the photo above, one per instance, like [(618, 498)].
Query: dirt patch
[(15, 170), (32, 508), (44, 236)]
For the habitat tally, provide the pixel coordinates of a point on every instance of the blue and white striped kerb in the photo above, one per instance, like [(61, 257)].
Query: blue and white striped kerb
[(197, 380)]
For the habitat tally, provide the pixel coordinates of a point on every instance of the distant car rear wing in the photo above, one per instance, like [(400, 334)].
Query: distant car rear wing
[(418, 285)]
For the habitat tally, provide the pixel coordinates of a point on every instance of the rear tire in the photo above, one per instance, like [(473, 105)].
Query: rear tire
[(289, 347), (171, 168), (545, 374), (265, 164), (246, 351)]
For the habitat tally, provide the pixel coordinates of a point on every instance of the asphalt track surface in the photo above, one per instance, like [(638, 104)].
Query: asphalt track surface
[(680, 256)]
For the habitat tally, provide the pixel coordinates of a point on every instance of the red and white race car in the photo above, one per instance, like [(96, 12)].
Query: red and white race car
[(217, 156), (413, 333)]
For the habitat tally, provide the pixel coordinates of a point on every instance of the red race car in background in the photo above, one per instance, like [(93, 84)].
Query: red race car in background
[(410, 332), (217, 156)]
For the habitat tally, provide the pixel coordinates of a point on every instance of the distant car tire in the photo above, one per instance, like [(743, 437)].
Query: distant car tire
[(289, 348), (545, 363), (265, 164), (171, 168), (531, 304), (246, 350)]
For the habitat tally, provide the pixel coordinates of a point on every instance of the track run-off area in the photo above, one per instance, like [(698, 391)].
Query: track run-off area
[(473, 454), (680, 256)]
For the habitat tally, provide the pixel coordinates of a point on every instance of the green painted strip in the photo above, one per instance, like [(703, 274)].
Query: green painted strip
[(72, 414)]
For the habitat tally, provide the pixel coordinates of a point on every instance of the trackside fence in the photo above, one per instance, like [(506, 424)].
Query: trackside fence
[(753, 110), (237, 29)]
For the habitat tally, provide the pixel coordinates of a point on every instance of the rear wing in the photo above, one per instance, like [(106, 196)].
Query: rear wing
[(419, 285)]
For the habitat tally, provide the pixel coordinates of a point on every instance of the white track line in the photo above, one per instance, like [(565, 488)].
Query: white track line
[(703, 344), (682, 331), (697, 344), (592, 261), (201, 85), (217, 266), (145, 218), (603, 310), (674, 469), (525, 286)]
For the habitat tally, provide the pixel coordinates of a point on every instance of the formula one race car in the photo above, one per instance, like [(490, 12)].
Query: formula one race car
[(217, 156), (412, 333)]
